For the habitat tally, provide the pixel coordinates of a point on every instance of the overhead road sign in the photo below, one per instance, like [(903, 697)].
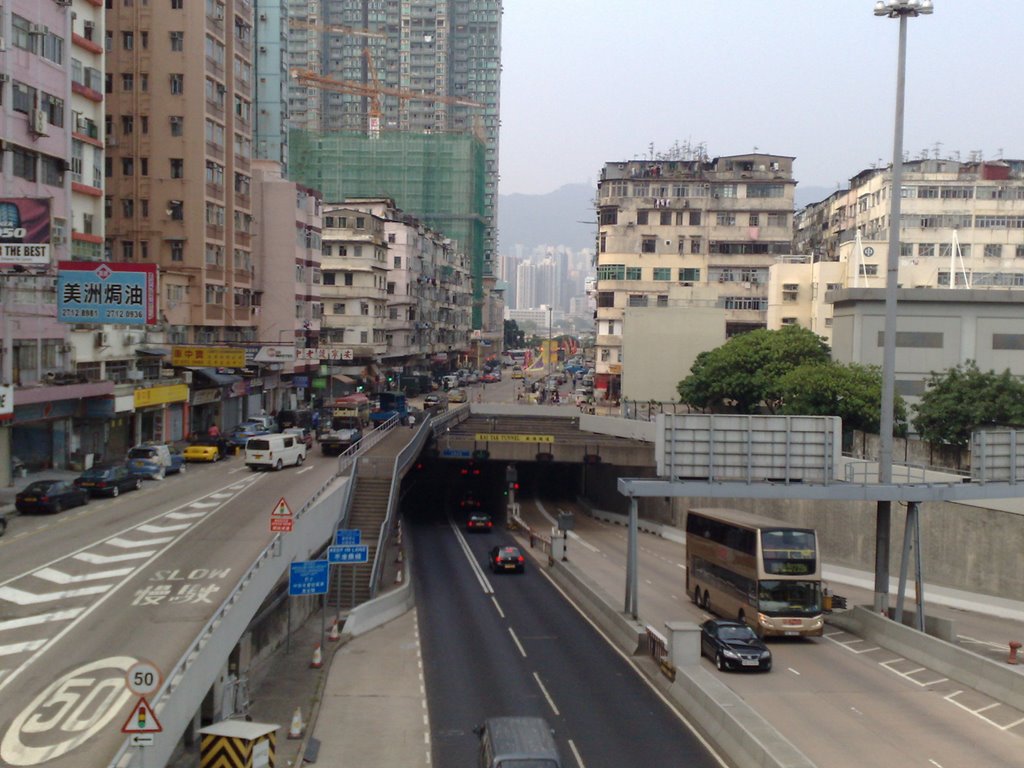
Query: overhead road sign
[(349, 554), (492, 437)]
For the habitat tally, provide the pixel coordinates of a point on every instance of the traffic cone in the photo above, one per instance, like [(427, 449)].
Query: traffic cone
[(333, 634), (318, 660), (295, 732)]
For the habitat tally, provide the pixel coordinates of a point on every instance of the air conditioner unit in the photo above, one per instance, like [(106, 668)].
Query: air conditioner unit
[(4, 77), (38, 122), (131, 338), (134, 375), (37, 29), (57, 240), (3, 44), (82, 123), (102, 339)]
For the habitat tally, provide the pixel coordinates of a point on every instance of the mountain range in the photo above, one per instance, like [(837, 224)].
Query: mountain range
[(567, 217)]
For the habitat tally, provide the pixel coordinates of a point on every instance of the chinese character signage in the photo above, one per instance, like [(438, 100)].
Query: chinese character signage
[(24, 231), (208, 357), (97, 292), (324, 353), (6, 402)]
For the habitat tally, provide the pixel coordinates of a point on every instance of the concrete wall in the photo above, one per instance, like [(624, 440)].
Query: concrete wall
[(965, 547)]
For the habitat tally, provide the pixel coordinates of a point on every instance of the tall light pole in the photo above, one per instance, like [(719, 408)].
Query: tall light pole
[(902, 10)]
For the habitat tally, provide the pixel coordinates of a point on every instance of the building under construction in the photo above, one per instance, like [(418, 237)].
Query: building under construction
[(437, 177)]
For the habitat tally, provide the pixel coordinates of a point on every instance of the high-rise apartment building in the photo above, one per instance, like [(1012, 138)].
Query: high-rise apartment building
[(179, 86), (688, 232), (448, 48)]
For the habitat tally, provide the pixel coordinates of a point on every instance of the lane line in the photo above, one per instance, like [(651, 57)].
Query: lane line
[(576, 753), (94, 559), (13, 648), (54, 576), (485, 585), (551, 702), (519, 645), (497, 607), (41, 618)]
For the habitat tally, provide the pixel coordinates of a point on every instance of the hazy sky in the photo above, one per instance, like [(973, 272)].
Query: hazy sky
[(586, 82)]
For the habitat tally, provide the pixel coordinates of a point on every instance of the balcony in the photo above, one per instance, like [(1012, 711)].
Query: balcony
[(215, 150)]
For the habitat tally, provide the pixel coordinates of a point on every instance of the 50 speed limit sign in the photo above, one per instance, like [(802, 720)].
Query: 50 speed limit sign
[(143, 678)]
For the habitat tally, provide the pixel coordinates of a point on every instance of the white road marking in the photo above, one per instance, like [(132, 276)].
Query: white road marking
[(793, 670), (204, 504), (485, 585), (305, 469), (42, 618), (551, 702), (150, 528), (13, 648), (497, 607), (190, 515), (937, 765), (976, 641), (117, 541), (681, 565), (20, 597), (519, 645), (576, 753), (59, 577), (92, 557)]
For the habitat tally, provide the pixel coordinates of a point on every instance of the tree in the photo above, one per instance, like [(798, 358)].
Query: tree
[(852, 392), (964, 399), (744, 373), (514, 337)]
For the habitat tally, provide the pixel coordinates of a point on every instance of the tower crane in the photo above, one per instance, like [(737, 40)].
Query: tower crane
[(373, 91)]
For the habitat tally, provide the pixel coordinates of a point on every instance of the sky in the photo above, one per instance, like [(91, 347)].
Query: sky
[(585, 82)]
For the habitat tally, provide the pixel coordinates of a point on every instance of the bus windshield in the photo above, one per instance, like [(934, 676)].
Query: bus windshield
[(789, 597)]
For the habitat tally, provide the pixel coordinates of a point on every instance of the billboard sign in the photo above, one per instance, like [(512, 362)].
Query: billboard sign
[(208, 357), (24, 231), (97, 292)]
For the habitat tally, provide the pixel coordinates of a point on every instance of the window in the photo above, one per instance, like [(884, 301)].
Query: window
[(144, 39), (177, 83), (128, 207), (605, 299), (993, 251), (765, 190), (869, 270), (925, 250), (695, 245), (176, 210), (329, 278), (127, 81), (666, 218), (127, 166), (177, 41), (725, 219), (662, 300), (348, 279), (127, 250), (177, 167), (632, 273), (398, 262), (611, 271), (177, 5), (694, 218), (609, 215), (689, 274), (177, 125), (662, 273), (641, 217), (754, 220), (127, 41), (649, 244), (127, 124), (177, 250), (637, 300)]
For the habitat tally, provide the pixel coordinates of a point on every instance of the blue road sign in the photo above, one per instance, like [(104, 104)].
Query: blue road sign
[(455, 453), (349, 554), (348, 536), (308, 577)]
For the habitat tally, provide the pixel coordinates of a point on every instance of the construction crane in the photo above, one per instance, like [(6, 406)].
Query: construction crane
[(335, 28), (373, 91)]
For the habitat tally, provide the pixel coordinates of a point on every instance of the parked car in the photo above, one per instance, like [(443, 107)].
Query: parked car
[(108, 480), (733, 645), (517, 372), (155, 461), (50, 496), (502, 559), (205, 448), (240, 433), (302, 434), (457, 396), (479, 521)]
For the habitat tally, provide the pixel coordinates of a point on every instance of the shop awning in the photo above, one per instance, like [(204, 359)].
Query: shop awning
[(213, 376), (344, 379)]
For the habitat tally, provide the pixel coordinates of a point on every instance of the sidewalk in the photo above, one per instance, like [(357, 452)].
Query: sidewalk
[(18, 483)]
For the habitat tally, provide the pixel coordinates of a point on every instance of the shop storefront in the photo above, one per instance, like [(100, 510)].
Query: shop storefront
[(160, 414), (42, 426)]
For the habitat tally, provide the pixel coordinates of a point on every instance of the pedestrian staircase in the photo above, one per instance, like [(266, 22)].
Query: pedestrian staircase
[(367, 511)]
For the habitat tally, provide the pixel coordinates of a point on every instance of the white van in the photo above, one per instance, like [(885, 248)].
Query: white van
[(274, 451)]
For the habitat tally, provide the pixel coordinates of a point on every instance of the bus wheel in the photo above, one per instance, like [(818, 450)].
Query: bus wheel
[(741, 616), (696, 596), (706, 605)]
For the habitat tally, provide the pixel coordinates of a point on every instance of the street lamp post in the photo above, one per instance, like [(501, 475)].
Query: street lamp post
[(902, 10)]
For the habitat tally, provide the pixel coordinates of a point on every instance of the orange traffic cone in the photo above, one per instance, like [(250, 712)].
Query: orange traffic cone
[(333, 634), (295, 732), (318, 660)]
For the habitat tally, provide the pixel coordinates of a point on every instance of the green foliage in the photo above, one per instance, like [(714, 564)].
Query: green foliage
[(744, 373), (853, 392), (514, 337), (964, 399)]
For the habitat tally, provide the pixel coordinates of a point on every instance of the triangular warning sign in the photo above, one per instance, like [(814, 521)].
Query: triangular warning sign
[(282, 509), (142, 719)]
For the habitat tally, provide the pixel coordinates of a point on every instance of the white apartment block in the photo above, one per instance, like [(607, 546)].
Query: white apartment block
[(697, 232), (961, 226)]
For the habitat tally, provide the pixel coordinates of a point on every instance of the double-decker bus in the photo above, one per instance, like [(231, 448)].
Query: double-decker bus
[(764, 572)]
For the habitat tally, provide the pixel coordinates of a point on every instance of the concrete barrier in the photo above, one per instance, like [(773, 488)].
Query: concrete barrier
[(380, 610), (1002, 682)]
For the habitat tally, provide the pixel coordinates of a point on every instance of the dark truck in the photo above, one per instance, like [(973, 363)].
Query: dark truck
[(391, 404)]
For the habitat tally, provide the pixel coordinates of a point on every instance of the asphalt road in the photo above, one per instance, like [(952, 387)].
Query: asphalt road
[(510, 644), (86, 593), (843, 702)]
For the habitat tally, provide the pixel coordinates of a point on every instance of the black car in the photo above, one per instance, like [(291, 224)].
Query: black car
[(50, 496), (3, 524), (108, 480), (504, 559), (479, 521), (733, 645)]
